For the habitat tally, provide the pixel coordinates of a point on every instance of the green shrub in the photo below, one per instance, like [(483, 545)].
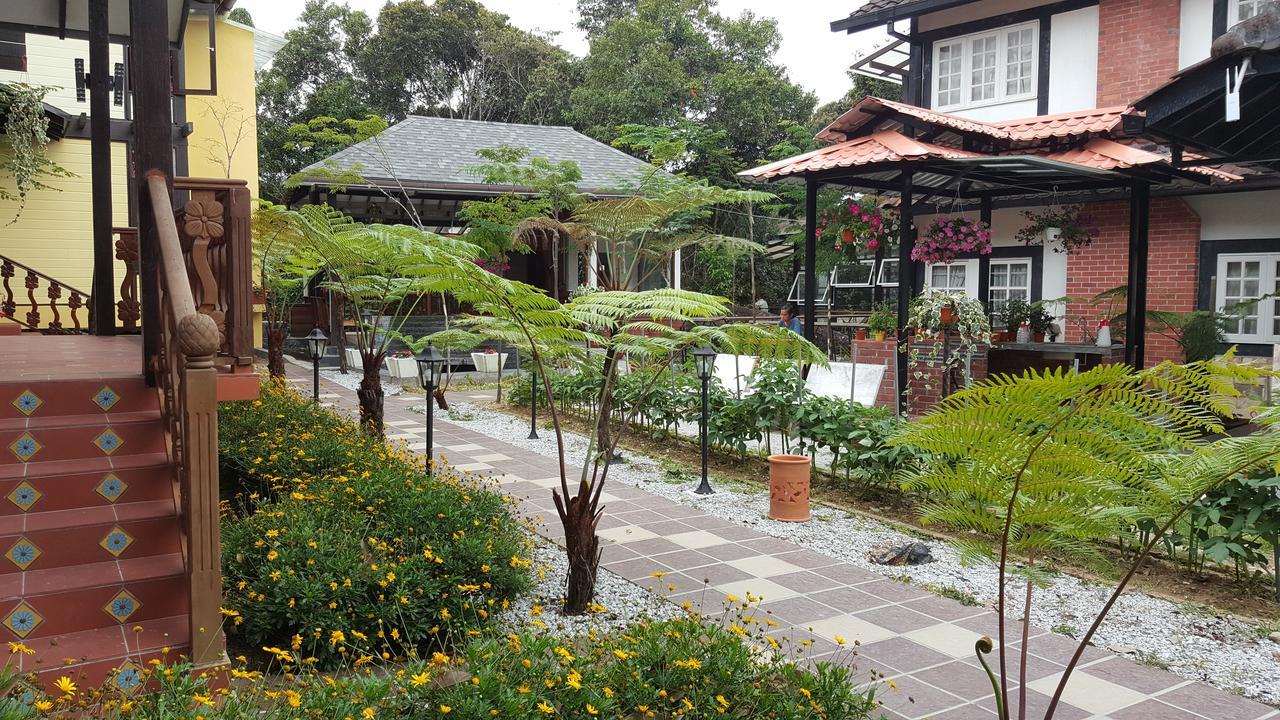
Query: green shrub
[(335, 532)]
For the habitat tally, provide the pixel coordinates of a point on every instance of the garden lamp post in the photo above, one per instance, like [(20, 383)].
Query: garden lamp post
[(316, 342), (430, 363), (533, 403), (704, 358)]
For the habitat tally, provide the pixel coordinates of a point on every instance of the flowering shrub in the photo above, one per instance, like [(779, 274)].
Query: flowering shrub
[(859, 223), (948, 237), (334, 534), (678, 668), (497, 266)]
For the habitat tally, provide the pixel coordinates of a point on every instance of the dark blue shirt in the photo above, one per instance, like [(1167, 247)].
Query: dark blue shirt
[(793, 326)]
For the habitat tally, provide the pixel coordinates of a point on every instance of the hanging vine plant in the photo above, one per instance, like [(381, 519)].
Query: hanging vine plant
[(23, 144), (1067, 228), (929, 315)]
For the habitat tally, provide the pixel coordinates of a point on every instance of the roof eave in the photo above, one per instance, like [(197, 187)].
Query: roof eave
[(858, 23)]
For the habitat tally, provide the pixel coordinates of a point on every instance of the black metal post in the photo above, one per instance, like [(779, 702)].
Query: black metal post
[(810, 257), (430, 387), (153, 150), (906, 285), (100, 78), (1135, 317), (704, 487), (533, 405), (315, 377)]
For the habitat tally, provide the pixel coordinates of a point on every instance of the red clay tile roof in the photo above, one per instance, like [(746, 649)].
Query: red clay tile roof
[(881, 146), (863, 112), (1079, 122)]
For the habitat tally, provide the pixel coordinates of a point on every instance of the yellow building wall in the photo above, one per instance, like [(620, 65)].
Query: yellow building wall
[(54, 233), (229, 120)]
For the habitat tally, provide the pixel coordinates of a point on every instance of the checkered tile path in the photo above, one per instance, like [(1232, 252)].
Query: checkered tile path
[(923, 642)]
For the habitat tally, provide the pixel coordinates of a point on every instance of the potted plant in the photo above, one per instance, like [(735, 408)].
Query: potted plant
[(1040, 320), (1065, 228), (402, 365), (948, 237), (789, 488), (856, 224), (860, 333), (489, 361), (961, 339), (882, 320), (1015, 312)]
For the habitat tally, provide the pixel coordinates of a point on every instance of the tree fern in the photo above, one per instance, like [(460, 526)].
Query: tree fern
[(1047, 463)]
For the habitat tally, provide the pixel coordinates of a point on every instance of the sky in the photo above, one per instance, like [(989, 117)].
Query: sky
[(815, 57)]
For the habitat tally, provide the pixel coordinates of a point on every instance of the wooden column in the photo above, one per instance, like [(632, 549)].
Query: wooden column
[(1135, 316), (153, 150), (810, 257), (102, 311), (906, 283)]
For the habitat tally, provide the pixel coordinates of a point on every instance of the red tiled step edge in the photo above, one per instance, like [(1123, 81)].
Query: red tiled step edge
[(153, 481), (133, 435), (76, 397), (35, 583), (58, 468), (89, 657), (72, 537), (86, 608)]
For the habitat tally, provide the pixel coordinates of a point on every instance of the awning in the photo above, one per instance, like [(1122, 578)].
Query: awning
[(51, 17), (891, 61)]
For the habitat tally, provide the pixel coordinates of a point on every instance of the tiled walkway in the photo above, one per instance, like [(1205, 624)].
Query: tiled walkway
[(924, 643)]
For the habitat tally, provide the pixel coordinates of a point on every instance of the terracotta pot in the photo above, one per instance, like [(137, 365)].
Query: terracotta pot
[(879, 335), (789, 488), (947, 315), (860, 333), (1038, 337), (846, 236)]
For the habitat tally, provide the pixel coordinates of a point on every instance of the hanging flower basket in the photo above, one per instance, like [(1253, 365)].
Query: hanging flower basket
[(1065, 229), (856, 224), (949, 237)]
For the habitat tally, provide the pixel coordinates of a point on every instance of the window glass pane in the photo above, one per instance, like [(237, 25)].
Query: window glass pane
[(999, 275), (1018, 52), (1019, 275), (1242, 282), (949, 74), (982, 68), (939, 277), (889, 272), (1246, 9), (957, 277)]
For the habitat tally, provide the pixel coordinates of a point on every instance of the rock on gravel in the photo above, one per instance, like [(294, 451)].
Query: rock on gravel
[(1224, 651)]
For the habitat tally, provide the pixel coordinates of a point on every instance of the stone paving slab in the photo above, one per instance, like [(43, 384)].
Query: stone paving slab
[(920, 641)]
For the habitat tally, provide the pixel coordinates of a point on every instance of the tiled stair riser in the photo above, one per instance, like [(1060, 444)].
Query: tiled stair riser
[(136, 434), (80, 544), (91, 489), (76, 397)]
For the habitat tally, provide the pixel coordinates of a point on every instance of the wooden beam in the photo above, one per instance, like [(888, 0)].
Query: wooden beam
[(1136, 297), (153, 150), (102, 313)]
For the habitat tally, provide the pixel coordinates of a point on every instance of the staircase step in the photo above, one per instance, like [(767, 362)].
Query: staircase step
[(87, 608), (132, 434), (101, 487), (74, 537), (76, 397), (89, 657), (60, 468), (49, 581), (42, 422)]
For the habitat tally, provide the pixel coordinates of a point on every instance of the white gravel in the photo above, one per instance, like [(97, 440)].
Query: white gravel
[(1194, 643), (620, 601), (351, 381)]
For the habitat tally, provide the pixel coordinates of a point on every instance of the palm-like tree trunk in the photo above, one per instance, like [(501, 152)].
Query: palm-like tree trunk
[(275, 350), (370, 394)]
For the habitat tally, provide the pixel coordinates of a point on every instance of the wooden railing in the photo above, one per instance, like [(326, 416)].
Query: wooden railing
[(189, 341), (213, 227), (46, 299), (128, 309)]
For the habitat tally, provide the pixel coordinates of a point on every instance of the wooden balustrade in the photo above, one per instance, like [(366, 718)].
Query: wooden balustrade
[(46, 299), (190, 340), (213, 227), (128, 309)]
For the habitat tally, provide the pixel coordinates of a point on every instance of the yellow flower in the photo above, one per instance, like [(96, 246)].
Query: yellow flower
[(591, 710), (445, 709), (17, 647), (65, 685), (203, 700), (723, 703), (293, 698), (368, 713), (420, 679), (336, 637), (43, 705), (544, 707), (621, 654), (839, 640)]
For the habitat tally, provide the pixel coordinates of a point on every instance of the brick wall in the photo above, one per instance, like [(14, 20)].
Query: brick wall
[(1171, 268), (924, 394), (882, 353), (1137, 48)]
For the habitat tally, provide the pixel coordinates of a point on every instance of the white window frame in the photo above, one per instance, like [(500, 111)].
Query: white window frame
[(991, 286), (972, 267), (884, 270), (1233, 10), (965, 42), (797, 290), (871, 274), (1267, 311)]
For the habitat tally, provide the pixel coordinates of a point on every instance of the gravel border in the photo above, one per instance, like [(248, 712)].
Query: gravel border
[(1186, 639)]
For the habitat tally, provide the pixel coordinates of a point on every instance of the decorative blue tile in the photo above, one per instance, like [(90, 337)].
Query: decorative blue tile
[(28, 402), (24, 496), (22, 620), (106, 398), (23, 553), (116, 541), (111, 487), (122, 606), (108, 442), (128, 677), (25, 447)]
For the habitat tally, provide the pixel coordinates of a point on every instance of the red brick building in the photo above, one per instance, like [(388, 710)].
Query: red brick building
[(1011, 105)]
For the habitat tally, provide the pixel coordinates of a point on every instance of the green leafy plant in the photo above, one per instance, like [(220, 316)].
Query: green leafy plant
[(1047, 463), (1014, 312), (24, 143), (939, 348), (334, 531), (1072, 225), (284, 269), (883, 318)]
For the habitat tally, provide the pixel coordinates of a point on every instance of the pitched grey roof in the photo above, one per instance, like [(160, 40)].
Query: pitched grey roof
[(440, 154)]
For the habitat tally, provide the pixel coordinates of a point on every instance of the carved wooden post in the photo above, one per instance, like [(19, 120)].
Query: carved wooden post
[(199, 338), (239, 278)]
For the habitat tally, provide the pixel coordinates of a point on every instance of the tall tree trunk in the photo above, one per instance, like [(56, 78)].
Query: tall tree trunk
[(603, 431), (579, 518), (275, 350), (441, 402), (370, 395)]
